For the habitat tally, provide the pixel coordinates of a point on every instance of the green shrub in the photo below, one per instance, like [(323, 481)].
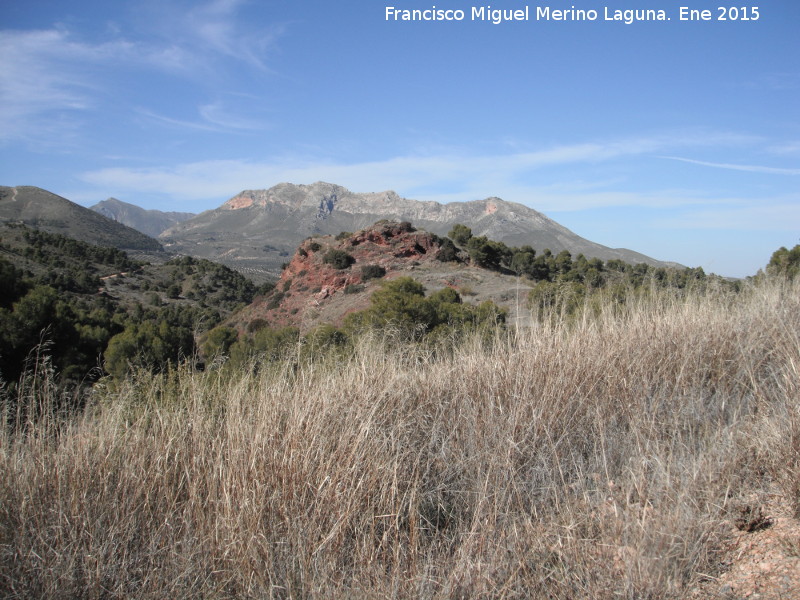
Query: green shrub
[(219, 341), (447, 251), (323, 340), (338, 259), (401, 304), (785, 263), (256, 325), (275, 300), (460, 234), (372, 272)]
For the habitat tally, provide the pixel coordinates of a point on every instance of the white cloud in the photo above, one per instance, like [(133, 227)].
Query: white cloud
[(177, 123), (735, 167), (214, 117), (216, 24), (219, 115), (211, 29), (514, 177), (52, 79), (47, 74), (789, 148)]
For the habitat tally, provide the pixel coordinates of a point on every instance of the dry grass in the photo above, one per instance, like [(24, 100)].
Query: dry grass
[(595, 460)]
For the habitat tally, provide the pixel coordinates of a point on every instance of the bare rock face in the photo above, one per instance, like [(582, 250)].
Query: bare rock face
[(256, 230)]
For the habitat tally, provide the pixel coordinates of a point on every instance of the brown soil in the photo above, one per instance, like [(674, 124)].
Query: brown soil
[(763, 563)]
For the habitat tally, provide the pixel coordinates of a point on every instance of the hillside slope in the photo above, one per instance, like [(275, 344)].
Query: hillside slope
[(44, 210)]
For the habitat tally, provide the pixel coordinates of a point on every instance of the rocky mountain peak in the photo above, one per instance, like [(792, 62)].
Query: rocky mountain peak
[(320, 195)]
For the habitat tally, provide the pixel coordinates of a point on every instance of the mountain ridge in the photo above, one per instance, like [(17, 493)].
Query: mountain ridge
[(149, 221), (258, 229)]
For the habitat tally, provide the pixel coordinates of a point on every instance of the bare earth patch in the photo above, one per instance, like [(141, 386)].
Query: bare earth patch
[(763, 564)]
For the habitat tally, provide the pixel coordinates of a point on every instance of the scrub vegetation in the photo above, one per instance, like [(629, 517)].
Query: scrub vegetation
[(601, 453)]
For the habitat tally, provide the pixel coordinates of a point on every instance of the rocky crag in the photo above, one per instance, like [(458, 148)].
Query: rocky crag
[(329, 277)]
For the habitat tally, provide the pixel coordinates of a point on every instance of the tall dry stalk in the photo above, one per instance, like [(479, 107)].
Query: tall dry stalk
[(597, 458)]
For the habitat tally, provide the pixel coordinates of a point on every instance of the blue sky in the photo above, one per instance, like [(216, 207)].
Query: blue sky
[(677, 139)]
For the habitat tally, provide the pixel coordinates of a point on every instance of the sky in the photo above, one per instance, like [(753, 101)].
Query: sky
[(678, 138)]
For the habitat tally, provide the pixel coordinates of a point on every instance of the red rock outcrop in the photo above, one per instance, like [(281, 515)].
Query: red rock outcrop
[(309, 284)]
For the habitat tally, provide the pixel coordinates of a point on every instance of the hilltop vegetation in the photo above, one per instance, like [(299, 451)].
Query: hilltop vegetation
[(785, 263), (95, 311), (370, 280)]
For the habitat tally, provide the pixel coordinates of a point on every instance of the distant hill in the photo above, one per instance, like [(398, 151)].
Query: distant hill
[(40, 209), (149, 222), (258, 229)]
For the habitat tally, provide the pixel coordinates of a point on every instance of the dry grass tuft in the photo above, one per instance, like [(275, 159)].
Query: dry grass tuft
[(600, 458)]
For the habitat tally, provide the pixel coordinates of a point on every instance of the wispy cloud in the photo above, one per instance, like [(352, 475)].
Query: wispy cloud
[(791, 148), (211, 29), (176, 123), (46, 75), (216, 113), (520, 177), (52, 79), (213, 117), (216, 24), (736, 167)]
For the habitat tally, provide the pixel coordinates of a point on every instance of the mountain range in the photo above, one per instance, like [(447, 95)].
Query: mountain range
[(257, 230), (149, 222)]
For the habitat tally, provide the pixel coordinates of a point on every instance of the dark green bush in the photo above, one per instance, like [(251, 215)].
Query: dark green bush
[(256, 325), (219, 341), (460, 234), (372, 272), (447, 251), (275, 300), (785, 263), (338, 259)]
